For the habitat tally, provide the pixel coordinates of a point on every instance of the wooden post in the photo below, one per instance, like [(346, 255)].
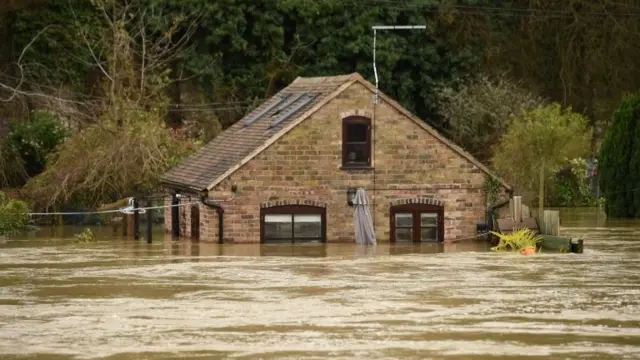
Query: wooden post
[(489, 222), (511, 208), (131, 229), (149, 221), (517, 210), (175, 215), (124, 224), (136, 220), (551, 222)]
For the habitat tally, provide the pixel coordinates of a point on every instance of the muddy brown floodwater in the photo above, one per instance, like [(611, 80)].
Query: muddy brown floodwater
[(121, 299)]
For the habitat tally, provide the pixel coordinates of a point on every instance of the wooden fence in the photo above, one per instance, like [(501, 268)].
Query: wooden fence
[(519, 215)]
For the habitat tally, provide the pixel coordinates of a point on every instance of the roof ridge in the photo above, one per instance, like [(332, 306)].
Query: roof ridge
[(224, 154), (455, 147), (236, 142)]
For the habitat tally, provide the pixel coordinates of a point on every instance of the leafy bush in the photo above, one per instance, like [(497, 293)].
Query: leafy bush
[(35, 138), (108, 161), (619, 161), (570, 186), (86, 236), (14, 215), (518, 240)]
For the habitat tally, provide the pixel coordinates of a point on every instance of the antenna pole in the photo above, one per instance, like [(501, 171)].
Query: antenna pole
[(375, 71), (387, 27)]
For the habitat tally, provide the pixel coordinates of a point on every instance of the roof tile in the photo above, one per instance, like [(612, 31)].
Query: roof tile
[(236, 142)]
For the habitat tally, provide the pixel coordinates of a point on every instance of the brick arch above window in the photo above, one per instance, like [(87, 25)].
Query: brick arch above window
[(417, 200), (356, 113), (270, 204)]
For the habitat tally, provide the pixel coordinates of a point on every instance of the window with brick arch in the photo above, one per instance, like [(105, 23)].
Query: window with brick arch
[(356, 142), (415, 223), (293, 224)]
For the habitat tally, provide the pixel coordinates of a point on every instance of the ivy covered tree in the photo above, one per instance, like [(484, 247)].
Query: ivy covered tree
[(619, 161)]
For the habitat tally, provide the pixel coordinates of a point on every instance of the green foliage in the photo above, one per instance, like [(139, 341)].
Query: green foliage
[(35, 138), (480, 111), (86, 236), (570, 186), (492, 189), (59, 56), (14, 215), (246, 49), (108, 161), (580, 60), (24, 151), (538, 143), (518, 240), (619, 161)]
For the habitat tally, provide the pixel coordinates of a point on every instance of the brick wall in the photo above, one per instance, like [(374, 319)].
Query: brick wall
[(305, 165)]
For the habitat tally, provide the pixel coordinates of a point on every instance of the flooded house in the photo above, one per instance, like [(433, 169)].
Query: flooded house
[(288, 171)]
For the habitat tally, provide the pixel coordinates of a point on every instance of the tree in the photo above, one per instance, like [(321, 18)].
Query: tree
[(619, 161), (580, 53), (480, 111), (537, 143), (127, 146)]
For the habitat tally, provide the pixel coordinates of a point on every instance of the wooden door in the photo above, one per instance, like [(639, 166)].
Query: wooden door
[(195, 222)]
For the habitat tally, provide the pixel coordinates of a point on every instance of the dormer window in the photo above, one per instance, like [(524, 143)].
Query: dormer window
[(356, 142)]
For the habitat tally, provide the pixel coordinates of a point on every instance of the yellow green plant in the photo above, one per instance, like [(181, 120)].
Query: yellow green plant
[(84, 237), (517, 240)]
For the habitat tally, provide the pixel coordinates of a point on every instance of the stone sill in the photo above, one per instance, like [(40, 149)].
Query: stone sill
[(359, 167)]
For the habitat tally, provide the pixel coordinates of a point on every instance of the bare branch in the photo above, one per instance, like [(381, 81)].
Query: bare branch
[(15, 90)]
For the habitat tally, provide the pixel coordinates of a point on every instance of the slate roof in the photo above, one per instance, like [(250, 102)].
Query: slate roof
[(265, 124), (227, 149)]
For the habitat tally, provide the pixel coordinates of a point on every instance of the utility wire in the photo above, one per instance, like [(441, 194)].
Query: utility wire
[(492, 10), (122, 210)]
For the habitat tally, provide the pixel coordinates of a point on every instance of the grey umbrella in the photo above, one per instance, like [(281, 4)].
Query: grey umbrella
[(365, 234)]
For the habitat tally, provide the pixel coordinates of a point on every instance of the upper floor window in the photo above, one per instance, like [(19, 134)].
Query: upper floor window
[(356, 142)]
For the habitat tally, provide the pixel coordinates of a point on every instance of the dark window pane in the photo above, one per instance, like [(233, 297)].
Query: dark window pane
[(404, 235), (307, 226), (277, 226), (357, 132), (429, 234), (404, 220), (428, 219), (357, 153)]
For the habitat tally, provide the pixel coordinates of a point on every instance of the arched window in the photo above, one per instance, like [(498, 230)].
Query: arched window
[(417, 223), (356, 142), (292, 224)]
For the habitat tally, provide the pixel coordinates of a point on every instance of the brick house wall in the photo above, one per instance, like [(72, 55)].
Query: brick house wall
[(208, 218), (304, 165)]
